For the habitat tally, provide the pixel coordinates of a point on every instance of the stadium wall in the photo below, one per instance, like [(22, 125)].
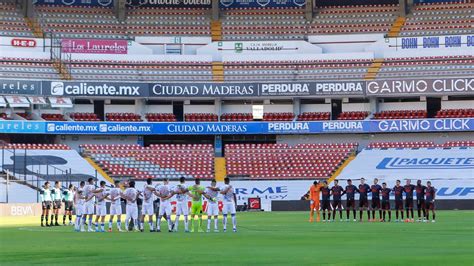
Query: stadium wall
[(74, 141)]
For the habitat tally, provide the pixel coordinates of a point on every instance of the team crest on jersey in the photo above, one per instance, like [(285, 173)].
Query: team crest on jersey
[(263, 2), (227, 2), (299, 2)]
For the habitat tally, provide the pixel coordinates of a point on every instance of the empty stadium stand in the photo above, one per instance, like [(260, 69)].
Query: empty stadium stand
[(354, 115), (168, 22), (141, 70), (401, 114), (37, 146), (236, 117), (84, 117), (278, 116), (406, 144), (200, 117), (160, 117), (263, 24), (432, 66), (280, 161), (354, 19), (27, 67), (12, 23), (314, 116), (445, 18), (24, 116), (80, 22), (53, 117), (463, 143), (157, 161), (3, 116), (295, 69), (120, 117), (455, 113)]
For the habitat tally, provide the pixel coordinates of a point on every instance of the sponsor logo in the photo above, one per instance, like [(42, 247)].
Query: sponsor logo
[(50, 127), (208, 128), (421, 86), (21, 210), (57, 88), (343, 126), (23, 43), (289, 126), (202, 90), (227, 3), (285, 89), (84, 88), (103, 128), (299, 2), (426, 163), (21, 127), (168, 2), (266, 192), (424, 125), (340, 87), (19, 87), (458, 191)]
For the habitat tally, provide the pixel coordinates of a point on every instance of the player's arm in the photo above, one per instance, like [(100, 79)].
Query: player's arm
[(226, 190), (98, 190), (213, 188)]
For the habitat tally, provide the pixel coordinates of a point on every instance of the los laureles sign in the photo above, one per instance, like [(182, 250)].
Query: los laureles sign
[(93, 46)]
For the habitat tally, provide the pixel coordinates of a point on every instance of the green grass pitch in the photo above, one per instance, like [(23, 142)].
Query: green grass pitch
[(276, 238)]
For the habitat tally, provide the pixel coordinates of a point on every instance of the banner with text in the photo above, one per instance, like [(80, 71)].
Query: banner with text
[(170, 3), (432, 42), (94, 46), (100, 89), (407, 87), (223, 128), (20, 87), (261, 3), (99, 3)]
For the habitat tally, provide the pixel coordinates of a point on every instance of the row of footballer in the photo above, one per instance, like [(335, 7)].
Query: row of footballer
[(88, 200), (425, 201)]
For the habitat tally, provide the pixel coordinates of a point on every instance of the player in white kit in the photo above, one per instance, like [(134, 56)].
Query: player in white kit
[(79, 201), (101, 210), (229, 204), (164, 193), (212, 205), (147, 207), (115, 206), (182, 208), (89, 194), (130, 195)]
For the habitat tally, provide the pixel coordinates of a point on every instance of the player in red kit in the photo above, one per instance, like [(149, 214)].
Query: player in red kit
[(375, 189)]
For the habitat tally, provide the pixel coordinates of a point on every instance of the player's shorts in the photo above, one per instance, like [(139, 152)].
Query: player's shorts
[(337, 204), (196, 208), (132, 211), (101, 210), (165, 208), (363, 203), (46, 205), (385, 205), (430, 205), (89, 208), (420, 204), (325, 205), (68, 205), (212, 209), (147, 209), (408, 203), (229, 207), (350, 204), (398, 205), (182, 208), (79, 209), (315, 205), (375, 204), (57, 204), (116, 209)]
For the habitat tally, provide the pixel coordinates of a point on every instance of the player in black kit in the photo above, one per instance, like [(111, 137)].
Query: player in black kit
[(350, 195), (409, 189), (375, 189), (363, 199), (420, 200), (336, 192), (326, 201)]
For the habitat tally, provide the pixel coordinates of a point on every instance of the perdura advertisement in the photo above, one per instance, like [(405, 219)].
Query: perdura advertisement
[(223, 128)]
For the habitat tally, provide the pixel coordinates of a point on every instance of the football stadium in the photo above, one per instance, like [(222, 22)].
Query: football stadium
[(237, 132)]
